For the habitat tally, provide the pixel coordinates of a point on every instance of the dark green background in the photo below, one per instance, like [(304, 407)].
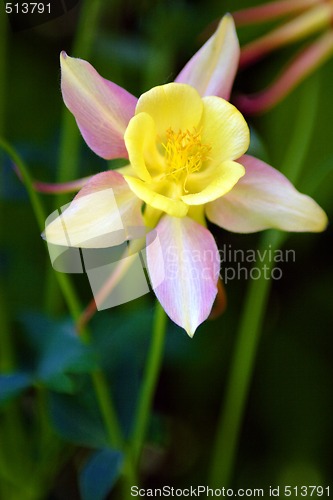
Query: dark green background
[(287, 432)]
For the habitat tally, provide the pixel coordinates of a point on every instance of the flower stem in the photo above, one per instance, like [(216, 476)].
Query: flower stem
[(238, 383), (33, 196), (299, 142), (12, 426), (67, 171), (98, 379), (241, 371), (64, 282), (68, 162), (107, 409), (149, 383)]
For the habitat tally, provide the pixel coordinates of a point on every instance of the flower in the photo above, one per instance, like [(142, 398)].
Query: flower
[(185, 144), (182, 148)]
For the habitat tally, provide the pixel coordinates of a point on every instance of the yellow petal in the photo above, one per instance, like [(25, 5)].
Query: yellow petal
[(224, 129), (140, 140), (197, 213), (175, 105), (126, 170), (177, 208), (216, 183)]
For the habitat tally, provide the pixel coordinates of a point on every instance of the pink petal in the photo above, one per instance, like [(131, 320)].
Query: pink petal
[(189, 257), (213, 68), (101, 108), (305, 24), (102, 214), (262, 199), (60, 187), (270, 11), (302, 65)]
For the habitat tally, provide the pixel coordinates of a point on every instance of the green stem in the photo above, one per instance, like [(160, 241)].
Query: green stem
[(302, 132), (242, 366), (12, 428), (68, 162), (99, 382), (107, 410), (149, 383), (33, 196), (38, 209), (68, 170)]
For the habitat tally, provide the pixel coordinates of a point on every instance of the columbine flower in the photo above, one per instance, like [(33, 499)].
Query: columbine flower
[(185, 144)]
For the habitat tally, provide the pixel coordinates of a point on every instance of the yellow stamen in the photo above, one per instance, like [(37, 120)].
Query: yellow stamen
[(184, 154)]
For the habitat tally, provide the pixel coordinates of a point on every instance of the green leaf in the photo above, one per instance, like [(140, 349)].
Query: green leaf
[(122, 349), (76, 418), (63, 354), (100, 474), (12, 384), (59, 352)]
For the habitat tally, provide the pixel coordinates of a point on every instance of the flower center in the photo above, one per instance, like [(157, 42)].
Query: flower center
[(184, 154)]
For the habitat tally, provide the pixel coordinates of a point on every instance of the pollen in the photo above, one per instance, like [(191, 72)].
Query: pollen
[(184, 153)]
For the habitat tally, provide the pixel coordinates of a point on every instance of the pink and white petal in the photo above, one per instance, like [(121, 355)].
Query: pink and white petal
[(213, 68), (190, 259), (60, 187), (101, 108), (101, 215), (262, 199)]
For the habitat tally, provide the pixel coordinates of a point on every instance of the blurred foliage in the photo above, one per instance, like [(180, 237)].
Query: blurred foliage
[(50, 426)]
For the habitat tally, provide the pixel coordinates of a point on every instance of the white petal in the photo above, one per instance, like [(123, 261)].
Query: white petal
[(100, 216), (213, 68), (189, 257), (264, 198)]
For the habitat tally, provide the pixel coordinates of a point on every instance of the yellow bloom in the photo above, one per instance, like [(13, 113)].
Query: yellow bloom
[(182, 148)]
